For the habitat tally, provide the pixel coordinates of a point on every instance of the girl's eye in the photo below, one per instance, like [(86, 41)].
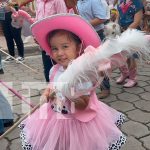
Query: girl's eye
[(65, 46), (54, 49)]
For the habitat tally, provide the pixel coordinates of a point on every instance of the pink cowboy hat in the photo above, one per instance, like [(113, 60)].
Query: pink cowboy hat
[(70, 22)]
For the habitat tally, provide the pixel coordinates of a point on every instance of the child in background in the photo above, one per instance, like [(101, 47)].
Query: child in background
[(82, 123), (130, 16)]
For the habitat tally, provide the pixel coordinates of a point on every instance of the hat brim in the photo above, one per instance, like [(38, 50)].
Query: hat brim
[(70, 22)]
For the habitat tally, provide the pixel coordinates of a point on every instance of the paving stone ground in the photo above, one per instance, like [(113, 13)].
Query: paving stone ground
[(133, 102)]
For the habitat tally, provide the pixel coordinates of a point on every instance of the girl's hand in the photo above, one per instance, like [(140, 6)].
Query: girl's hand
[(82, 102), (47, 96), (43, 99)]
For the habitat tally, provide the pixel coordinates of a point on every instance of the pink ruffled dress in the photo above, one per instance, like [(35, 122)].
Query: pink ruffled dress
[(59, 126)]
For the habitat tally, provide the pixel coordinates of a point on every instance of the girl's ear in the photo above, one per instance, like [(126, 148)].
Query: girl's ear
[(79, 48)]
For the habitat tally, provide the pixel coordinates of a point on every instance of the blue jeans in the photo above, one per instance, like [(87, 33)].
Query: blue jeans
[(6, 115), (1, 126), (105, 85), (5, 109), (3, 122), (0, 62), (12, 35)]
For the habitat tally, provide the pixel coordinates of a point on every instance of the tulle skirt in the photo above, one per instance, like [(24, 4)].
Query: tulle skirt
[(64, 132)]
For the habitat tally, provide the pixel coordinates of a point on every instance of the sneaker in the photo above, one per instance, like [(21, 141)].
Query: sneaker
[(8, 59), (1, 71), (104, 94), (19, 59), (130, 83)]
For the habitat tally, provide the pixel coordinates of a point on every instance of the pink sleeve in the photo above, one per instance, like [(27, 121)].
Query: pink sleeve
[(60, 6)]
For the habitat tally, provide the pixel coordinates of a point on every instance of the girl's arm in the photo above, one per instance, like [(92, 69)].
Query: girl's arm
[(137, 19), (47, 95)]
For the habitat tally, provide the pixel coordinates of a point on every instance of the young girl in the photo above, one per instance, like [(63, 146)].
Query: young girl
[(81, 122), (130, 16)]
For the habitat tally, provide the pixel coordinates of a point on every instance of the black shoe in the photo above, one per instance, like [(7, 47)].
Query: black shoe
[(1, 71), (8, 124), (1, 133)]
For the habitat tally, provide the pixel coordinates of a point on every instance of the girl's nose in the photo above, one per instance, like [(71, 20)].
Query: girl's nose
[(60, 52)]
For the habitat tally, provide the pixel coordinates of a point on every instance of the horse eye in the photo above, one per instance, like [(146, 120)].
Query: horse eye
[(113, 32)]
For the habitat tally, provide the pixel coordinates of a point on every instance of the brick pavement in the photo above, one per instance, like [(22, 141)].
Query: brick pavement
[(133, 102)]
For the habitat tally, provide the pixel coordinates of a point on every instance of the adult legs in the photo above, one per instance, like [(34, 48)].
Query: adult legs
[(18, 40), (6, 26)]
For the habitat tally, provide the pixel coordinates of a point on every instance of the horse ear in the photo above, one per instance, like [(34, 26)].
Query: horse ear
[(114, 26)]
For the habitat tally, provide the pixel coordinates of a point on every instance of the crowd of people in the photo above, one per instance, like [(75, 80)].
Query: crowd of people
[(64, 43)]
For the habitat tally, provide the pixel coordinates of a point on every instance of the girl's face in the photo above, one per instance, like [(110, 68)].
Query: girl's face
[(64, 49)]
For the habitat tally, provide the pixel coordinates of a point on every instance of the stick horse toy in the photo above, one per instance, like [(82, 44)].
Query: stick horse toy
[(87, 67)]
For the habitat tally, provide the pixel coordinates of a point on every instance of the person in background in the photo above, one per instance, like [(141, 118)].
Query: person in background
[(12, 34), (130, 16), (96, 12), (6, 116)]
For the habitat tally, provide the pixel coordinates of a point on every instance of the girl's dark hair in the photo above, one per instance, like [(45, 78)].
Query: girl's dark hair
[(70, 35)]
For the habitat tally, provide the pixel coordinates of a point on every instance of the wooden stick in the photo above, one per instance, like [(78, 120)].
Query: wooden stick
[(24, 117), (19, 61)]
